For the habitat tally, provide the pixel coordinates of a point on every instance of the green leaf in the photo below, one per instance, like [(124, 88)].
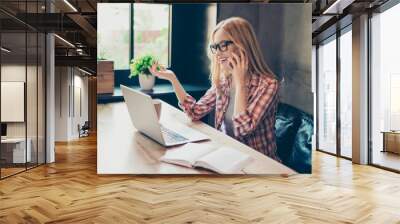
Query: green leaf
[(141, 65)]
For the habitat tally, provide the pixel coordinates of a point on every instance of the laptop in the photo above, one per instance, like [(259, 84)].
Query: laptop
[(144, 117)]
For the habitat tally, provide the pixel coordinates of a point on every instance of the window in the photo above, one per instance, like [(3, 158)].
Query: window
[(394, 101), (385, 84), (346, 93), (149, 25), (113, 38), (327, 96), (335, 94), (151, 31)]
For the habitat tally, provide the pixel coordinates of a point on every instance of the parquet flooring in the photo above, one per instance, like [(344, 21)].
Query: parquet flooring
[(70, 191), (10, 171)]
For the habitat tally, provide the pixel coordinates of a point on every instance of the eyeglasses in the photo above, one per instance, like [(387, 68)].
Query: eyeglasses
[(221, 46)]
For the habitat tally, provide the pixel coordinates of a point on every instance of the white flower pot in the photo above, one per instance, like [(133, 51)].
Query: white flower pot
[(146, 81)]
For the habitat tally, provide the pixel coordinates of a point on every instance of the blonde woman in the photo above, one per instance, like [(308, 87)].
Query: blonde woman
[(244, 89)]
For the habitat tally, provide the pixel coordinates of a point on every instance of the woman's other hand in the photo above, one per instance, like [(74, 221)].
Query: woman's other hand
[(162, 73)]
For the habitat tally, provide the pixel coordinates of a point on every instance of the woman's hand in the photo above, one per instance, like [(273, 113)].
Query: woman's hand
[(239, 68), (169, 75), (162, 73), (239, 73)]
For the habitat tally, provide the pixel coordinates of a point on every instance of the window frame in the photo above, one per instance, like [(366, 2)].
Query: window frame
[(132, 33), (39, 59), (334, 37)]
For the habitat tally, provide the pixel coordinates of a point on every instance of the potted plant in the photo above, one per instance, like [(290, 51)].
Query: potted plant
[(140, 67)]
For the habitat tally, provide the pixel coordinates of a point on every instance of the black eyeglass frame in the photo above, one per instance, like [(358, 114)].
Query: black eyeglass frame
[(221, 46)]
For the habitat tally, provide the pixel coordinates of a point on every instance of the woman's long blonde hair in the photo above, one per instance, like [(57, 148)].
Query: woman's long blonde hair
[(242, 34)]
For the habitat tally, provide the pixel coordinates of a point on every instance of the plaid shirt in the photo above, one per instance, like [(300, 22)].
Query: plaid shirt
[(254, 127)]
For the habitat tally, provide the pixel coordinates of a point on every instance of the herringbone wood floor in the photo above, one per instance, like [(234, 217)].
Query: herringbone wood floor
[(69, 191)]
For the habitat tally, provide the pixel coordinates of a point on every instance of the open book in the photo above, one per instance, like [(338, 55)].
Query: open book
[(224, 160)]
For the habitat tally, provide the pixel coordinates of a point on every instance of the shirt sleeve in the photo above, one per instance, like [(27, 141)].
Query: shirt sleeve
[(197, 110), (246, 122)]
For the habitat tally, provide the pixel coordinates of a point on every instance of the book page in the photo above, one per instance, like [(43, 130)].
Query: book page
[(187, 154), (224, 160)]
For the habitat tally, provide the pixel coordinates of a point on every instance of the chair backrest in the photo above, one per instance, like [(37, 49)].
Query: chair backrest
[(86, 125), (294, 129)]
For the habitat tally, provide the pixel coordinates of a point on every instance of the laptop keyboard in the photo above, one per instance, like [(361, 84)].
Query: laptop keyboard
[(171, 136)]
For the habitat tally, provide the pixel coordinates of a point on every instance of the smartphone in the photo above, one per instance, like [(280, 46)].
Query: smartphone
[(235, 50)]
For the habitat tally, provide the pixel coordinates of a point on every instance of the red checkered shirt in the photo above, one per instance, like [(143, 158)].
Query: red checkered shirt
[(254, 127)]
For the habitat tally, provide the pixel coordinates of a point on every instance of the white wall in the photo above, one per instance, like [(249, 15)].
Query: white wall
[(14, 72), (61, 103), (13, 100), (80, 103), (70, 84)]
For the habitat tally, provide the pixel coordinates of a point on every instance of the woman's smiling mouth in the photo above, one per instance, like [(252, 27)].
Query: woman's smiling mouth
[(223, 60)]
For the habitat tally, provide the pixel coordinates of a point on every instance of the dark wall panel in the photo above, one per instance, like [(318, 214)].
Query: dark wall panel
[(189, 43)]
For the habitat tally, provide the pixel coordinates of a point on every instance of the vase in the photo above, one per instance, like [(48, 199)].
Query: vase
[(146, 81)]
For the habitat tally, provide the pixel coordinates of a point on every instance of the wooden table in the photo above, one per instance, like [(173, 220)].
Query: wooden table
[(121, 149), (391, 141)]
